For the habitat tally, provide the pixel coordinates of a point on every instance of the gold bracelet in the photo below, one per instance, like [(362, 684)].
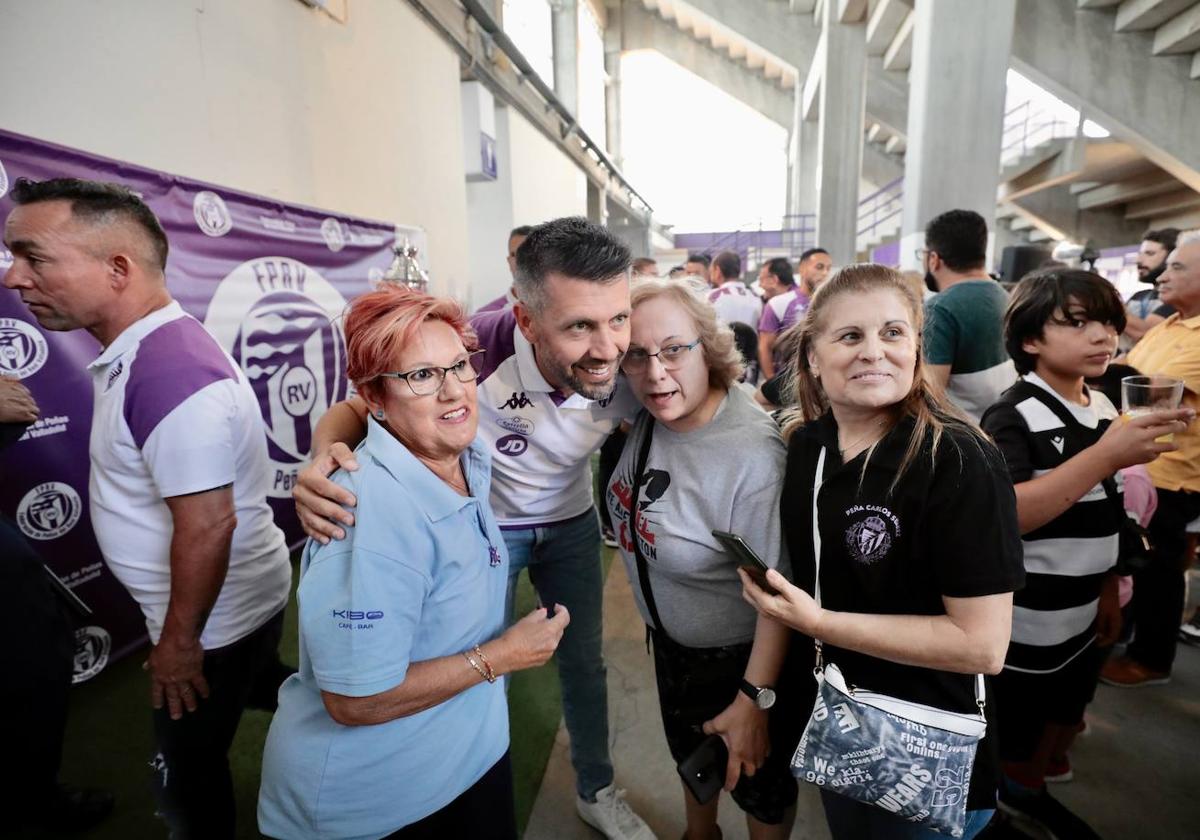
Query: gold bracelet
[(475, 664), (486, 663)]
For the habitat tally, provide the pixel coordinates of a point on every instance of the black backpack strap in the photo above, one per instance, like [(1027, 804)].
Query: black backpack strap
[(639, 476)]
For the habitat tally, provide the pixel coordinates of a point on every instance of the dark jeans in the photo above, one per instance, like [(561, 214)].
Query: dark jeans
[(36, 659), (849, 819), (610, 454), (1158, 590), (484, 810), (192, 782)]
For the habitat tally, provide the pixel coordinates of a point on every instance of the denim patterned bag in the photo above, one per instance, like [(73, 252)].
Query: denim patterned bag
[(907, 758)]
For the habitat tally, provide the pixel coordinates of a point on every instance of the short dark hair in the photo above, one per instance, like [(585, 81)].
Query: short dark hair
[(571, 246), (811, 252), (520, 230), (700, 258), (782, 269), (644, 262), (729, 264), (960, 238), (97, 202), (1041, 293), (1166, 237)]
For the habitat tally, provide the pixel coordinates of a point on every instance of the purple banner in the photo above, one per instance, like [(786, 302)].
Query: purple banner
[(268, 279)]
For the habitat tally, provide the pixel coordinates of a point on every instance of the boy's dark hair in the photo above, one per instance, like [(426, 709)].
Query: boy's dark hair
[(813, 252), (97, 202), (520, 230), (700, 258), (782, 269), (571, 246), (729, 264), (1165, 237), (1064, 290), (960, 238)]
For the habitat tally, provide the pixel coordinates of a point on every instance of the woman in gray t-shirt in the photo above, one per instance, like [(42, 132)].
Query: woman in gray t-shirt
[(701, 457)]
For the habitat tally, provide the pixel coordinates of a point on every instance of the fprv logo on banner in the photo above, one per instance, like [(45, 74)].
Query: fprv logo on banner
[(49, 510), (278, 318), (92, 646), (23, 350)]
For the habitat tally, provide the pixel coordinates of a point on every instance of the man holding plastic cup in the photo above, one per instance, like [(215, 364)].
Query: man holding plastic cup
[(1170, 349)]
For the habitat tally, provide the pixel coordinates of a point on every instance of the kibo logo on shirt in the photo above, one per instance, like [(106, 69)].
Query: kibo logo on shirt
[(358, 615)]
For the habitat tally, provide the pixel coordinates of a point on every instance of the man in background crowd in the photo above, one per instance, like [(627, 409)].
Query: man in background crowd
[(735, 304), (785, 303), (696, 265), (645, 267), (813, 268), (964, 322), (1144, 309), (515, 237)]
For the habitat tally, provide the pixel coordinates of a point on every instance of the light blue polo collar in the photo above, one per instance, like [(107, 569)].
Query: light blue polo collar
[(428, 492)]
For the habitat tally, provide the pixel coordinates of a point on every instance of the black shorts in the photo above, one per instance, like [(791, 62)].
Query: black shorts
[(1026, 703), (697, 684)]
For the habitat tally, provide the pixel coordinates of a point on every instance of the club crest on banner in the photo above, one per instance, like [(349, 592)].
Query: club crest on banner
[(23, 350), (49, 510), (3, 180), (92, 647), (212, 216), (280, 320), (333, 234)]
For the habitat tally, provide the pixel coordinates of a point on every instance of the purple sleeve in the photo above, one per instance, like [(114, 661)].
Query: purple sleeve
[(173, 362), (495, 330), (769, 322), (713, 295), (494, 305)]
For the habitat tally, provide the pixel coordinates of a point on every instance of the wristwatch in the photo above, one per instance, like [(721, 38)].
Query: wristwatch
[(763, 697)]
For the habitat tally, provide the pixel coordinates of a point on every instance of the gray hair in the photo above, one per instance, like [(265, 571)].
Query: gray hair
[(572, 247)]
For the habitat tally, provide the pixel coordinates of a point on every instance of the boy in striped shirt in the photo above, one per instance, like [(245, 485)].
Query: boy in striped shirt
[(1061, 446)]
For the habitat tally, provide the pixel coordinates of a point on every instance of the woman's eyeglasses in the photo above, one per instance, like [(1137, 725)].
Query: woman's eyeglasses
[(429, 380), (671, 357)]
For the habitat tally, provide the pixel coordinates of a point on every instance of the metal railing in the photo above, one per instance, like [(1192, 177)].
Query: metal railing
[(1026, 127), (880, 208)]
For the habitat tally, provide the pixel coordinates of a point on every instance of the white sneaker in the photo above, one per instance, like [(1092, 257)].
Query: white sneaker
[(611, 815)]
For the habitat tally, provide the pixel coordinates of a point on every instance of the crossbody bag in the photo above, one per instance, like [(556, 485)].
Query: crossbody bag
[(906, 758)]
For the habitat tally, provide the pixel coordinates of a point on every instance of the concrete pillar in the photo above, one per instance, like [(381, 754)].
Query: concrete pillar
[(808, 142), (614, 46), (597, 204), (565, 29), (843, 99), (960, 57)]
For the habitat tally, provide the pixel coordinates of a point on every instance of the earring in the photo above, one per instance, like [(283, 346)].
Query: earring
[(379, 414)]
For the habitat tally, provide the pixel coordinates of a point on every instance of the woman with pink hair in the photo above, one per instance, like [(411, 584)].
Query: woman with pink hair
[(396, 725)]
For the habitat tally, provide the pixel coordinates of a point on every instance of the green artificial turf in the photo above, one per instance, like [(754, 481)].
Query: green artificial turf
[(108, 740)]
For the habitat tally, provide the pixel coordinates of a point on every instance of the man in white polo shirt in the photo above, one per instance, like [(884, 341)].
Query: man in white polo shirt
[(549, 395), (178, 479), (735, 304)]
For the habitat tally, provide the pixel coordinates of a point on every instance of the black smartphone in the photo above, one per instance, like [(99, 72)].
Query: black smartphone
[(747, 559), (704, 770)]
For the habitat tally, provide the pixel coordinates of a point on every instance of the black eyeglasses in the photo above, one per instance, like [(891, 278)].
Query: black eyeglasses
[(670, 356), (429, 380)]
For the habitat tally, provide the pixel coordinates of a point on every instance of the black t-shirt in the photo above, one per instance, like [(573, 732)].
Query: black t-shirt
[(949, 528)]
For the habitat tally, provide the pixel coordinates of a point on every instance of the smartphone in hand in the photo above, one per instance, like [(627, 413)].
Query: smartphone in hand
[(704, 770), (754, 565)]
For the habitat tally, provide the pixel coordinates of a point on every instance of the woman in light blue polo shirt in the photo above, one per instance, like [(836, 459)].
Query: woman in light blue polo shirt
[(396, 725)]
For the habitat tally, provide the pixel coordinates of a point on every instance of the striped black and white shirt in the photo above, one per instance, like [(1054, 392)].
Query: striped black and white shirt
[(1066, 559)]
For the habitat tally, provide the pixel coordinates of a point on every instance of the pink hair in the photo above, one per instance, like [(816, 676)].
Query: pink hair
[(378, 324)]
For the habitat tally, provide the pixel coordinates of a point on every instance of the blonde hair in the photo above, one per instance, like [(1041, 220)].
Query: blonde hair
[(720, 350), (924, 402)]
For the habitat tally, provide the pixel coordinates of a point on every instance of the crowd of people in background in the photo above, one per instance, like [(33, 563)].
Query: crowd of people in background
[(948, 506)]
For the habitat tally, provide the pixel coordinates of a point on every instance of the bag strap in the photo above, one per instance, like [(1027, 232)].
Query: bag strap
[(643, 570), (818, 480)]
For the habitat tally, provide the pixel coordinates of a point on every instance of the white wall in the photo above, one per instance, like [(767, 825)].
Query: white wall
[(266, 96), (546, 183)]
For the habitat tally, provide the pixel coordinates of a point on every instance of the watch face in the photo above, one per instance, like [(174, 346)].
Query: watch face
[(766, 698)]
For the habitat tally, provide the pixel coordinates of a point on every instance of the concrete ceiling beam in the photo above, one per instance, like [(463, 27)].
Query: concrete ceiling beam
[(1140, 15), (1181, 34), (895, 145), (1152, 183), (1161, 205), (851, 11), (1195, 72), (885, 21), (1097, 4), (898, 55)]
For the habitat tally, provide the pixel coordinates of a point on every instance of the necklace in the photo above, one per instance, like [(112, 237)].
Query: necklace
[(850, 446)]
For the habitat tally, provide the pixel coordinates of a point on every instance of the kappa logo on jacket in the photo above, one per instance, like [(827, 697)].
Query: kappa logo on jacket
[(515, 402)]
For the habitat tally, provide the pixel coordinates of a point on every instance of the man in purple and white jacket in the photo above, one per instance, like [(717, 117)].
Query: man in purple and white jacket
[(785, 304), (178, 484)]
